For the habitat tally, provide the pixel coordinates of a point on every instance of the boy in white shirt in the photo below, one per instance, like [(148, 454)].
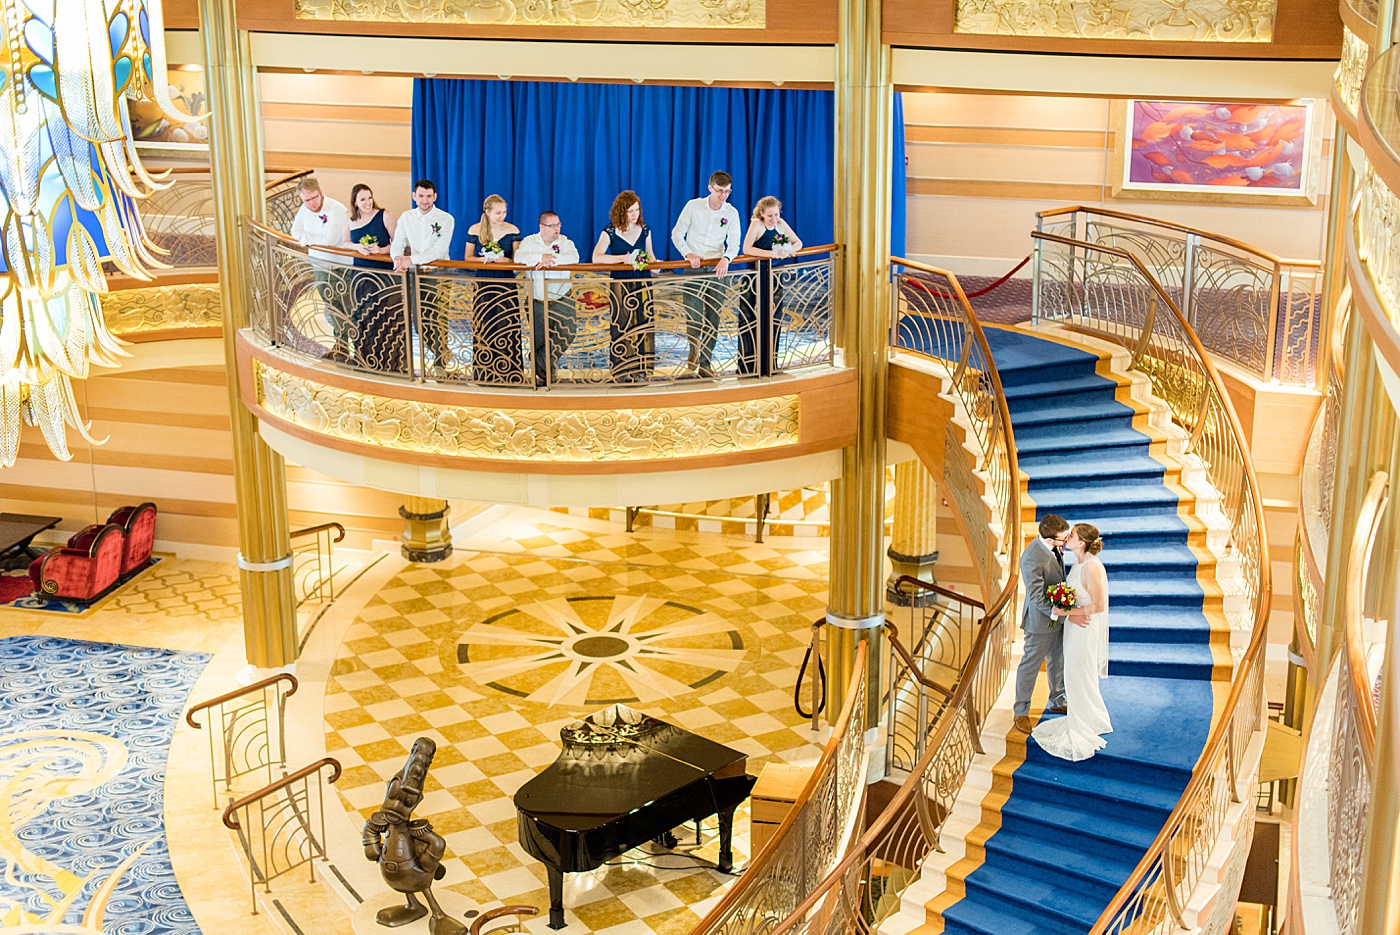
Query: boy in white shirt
[(324, 222), (552, 314), (424, 234), (708, 228)]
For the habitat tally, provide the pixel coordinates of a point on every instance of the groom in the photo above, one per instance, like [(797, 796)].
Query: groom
[(1042, 564)]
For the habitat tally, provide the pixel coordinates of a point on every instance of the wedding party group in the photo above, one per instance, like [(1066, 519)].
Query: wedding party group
[(1065, 624), (529, 304)]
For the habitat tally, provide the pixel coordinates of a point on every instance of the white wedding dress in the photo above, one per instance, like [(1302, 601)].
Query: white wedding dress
[(1077, 735)]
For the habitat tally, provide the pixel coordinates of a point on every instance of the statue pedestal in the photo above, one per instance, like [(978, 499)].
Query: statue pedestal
[(455, 906)]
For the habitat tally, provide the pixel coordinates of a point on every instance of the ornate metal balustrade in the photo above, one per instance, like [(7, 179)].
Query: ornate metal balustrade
[(282, 826), (1247, 306), (500, 324), (313, 562), (1109, 292), (247, 730), (820, 825)]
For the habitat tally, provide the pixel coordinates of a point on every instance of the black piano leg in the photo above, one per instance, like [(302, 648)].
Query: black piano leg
[(726, 838), (556, 899), (667, 840)]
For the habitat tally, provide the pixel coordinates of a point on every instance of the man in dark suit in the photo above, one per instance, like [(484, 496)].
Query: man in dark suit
[(1042, 565)]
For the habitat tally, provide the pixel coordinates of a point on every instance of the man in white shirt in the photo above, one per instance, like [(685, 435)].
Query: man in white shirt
[(324, 222), (552, 314), (707, 229), (424, 234)]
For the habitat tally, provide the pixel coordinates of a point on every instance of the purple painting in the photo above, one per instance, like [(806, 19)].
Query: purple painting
[(1204, 147)]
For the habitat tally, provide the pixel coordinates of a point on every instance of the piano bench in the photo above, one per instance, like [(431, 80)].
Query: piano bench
[(778, 787)]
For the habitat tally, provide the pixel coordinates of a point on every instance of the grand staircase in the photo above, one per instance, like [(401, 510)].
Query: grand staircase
[(1036, 845)]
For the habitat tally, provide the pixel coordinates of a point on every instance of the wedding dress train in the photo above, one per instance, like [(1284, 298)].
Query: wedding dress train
[(1077, 735)]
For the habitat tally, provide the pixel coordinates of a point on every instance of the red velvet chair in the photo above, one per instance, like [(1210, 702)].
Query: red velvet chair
[(138, 525), (84, 572)]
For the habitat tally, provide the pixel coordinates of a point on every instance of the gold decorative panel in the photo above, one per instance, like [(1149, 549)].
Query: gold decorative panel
[(1351, 70), (673, 14), (163, 308), (527, 434), (1159, 20), (1378, 239)]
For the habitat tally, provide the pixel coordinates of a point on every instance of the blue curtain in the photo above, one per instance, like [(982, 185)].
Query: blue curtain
[(898, 178)]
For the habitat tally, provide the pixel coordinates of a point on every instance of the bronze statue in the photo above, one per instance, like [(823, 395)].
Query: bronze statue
[(409, 852)]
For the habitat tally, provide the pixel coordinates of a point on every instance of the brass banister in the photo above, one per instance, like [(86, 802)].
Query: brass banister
[(229, 814), (335, 527), (239, 693), (892, 632), (937, 589)]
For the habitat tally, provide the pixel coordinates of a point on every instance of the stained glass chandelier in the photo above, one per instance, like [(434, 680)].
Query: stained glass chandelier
[(70, 180)]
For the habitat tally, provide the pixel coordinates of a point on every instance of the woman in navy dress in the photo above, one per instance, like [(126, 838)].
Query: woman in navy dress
[(496, 308), (381, 336), (626, 241), (769, 238)]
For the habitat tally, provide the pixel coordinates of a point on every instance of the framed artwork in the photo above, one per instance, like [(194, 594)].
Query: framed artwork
[(1209, 152)]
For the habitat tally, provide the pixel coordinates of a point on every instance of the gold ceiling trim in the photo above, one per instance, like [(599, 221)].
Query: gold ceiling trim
[(666, 14), (602, 435), (1147, 20), (163, 308)]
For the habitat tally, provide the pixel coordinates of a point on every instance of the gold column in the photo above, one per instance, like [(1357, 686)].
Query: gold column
[(426, 536), (235, 155), (1380, 877), (1334, 255), (864, 105), (914, 539)]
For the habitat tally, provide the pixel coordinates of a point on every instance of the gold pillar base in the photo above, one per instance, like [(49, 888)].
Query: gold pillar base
[(426, 536), (915, 566)]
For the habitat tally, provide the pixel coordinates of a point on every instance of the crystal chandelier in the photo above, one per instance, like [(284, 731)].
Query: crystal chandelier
[(70, 179)]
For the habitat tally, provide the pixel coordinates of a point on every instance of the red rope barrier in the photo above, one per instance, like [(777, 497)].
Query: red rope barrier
[(972, 295)]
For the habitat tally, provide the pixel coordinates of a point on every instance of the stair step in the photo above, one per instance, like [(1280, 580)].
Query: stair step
[(1118, 472), (1038, 897), (1077, 829), (1161, 660), (1070, 414), (968, 917), (1105, 502), (1089, 870), (1092, 459), (1103, 437)]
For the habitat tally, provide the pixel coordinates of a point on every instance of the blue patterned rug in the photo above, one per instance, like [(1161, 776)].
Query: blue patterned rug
[(84, 733)]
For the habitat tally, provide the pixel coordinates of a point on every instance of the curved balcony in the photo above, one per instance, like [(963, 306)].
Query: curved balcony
[(490, 367), (1358, 36)]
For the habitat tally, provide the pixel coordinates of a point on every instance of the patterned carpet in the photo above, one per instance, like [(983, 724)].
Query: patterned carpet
[(491, 652), (84, 733)]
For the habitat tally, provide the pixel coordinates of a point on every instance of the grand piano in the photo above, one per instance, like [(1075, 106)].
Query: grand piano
[(623, 779)]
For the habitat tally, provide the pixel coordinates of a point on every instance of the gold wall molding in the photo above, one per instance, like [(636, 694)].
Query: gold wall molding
[(1351, 71), (527, 435), (673, 14), (1149, 20), (135, 312)]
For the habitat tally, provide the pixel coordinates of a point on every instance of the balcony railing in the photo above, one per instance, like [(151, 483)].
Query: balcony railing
[(500, 324), (1248, 306)]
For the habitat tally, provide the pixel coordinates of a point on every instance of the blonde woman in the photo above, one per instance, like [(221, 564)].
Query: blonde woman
[(770, 238), (496, 310)]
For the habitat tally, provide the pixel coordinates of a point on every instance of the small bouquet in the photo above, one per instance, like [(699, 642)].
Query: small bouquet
[(491, 251), (1062, 597), (369, 240), (782, 245), (642, 260)]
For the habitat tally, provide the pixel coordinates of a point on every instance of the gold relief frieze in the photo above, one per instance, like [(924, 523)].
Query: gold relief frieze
[(163, 308), (1351, 70), (673, 14), (608, 435), (1378, 238), (1150, 20)]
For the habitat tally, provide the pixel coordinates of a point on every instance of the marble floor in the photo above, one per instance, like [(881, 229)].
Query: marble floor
[(538, 618)]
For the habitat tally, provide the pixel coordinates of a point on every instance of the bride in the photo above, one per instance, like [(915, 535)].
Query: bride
[(1076, 736)]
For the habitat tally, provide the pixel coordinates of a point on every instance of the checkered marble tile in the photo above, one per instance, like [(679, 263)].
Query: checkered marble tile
[(467, 652)]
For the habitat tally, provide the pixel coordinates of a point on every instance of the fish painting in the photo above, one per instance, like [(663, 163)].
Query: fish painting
[(1204, 146)]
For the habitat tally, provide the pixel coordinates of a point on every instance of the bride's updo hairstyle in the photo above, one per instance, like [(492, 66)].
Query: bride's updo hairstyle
[(1089, 535)]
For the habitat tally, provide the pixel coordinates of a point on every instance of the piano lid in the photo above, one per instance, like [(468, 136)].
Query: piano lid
[(616, 761)]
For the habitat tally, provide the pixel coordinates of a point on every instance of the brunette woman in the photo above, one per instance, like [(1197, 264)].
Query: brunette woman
[(377, 297), (626, 242)]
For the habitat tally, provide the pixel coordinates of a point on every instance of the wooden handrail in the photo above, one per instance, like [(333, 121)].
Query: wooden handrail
[(936, 589), (491, 915), (760, 860), (239, 693), (1363, 540), (1181, 228), (288, 177), (230, 818), (1220, 736), (892, 632), (323, 527)]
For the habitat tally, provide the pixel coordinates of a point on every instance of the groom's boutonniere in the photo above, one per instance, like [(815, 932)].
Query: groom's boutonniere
[(723, 222), (1062, 597), (437, 229), (324, 219), (554, 247)]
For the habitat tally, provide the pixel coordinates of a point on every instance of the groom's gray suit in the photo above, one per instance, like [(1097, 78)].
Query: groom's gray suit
[(1040, 568)]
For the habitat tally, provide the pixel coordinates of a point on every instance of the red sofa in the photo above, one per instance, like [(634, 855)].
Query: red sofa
[(84, 570), (138, 525)]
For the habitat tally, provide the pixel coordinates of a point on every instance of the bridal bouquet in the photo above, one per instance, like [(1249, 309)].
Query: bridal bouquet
[(491, 251), (782, 245), (1062, 597), (642, 260)]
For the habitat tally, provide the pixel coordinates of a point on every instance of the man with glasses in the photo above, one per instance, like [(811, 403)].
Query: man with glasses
[(1042, 565), (707, 229), (551, 313)]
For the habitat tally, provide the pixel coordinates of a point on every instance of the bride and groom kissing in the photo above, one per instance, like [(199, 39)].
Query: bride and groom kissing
[(1065, 622)]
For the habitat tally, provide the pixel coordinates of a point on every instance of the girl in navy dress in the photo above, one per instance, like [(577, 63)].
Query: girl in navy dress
[(496, 309), (626, 241), (769, 238), (381, 338)]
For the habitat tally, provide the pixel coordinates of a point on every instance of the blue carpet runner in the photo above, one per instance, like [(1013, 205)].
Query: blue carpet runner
[(1071, 833)]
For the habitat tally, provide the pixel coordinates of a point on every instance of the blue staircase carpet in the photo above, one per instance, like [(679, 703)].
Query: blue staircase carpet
[(84, 732), (1071, 833)]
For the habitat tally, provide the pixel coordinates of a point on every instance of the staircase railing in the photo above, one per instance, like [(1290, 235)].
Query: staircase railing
[(313, 562), (811, 839), (1107, 291), (1253, 308), (247, 729)]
